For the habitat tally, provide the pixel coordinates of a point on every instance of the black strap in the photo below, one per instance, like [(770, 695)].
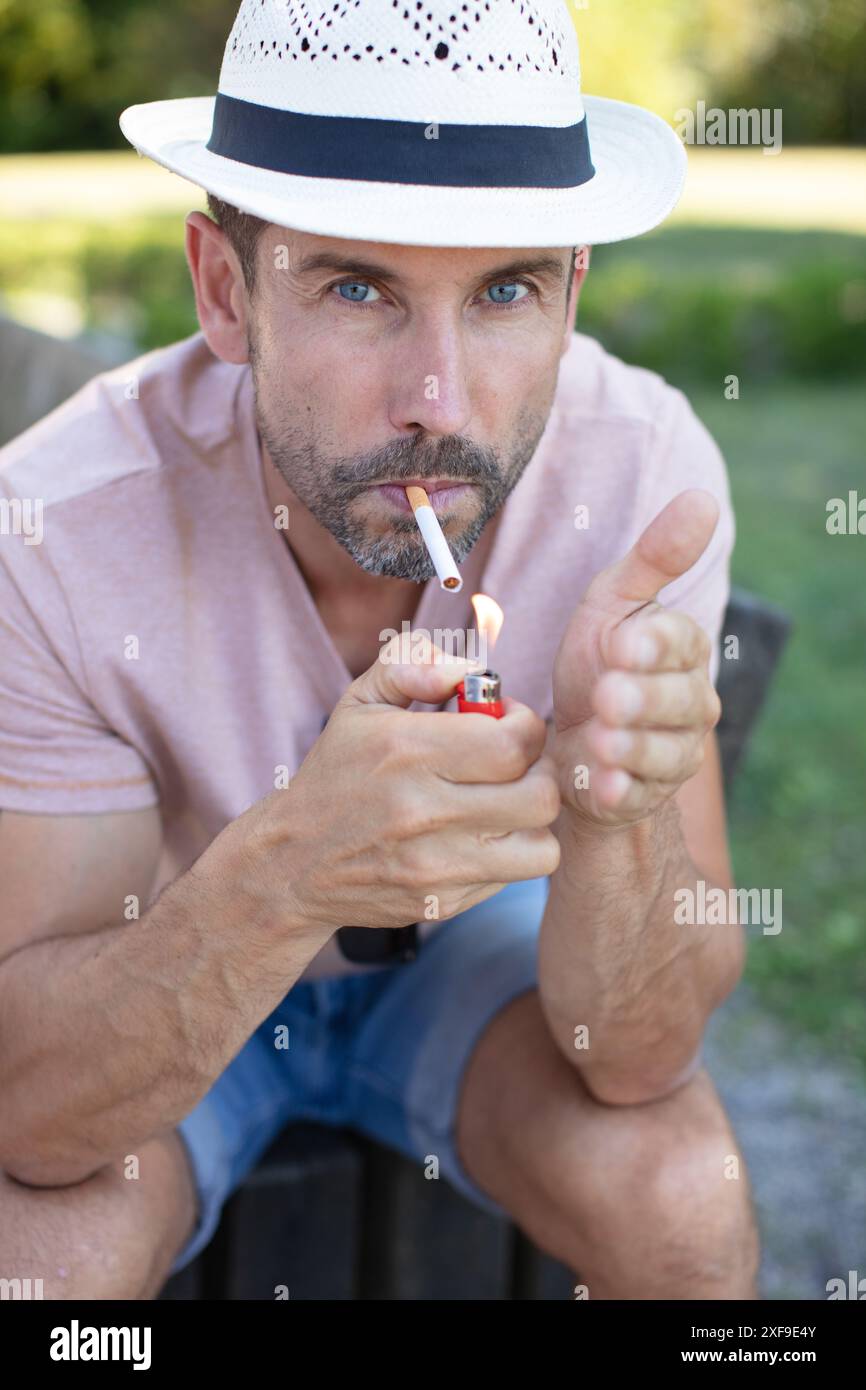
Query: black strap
[(363, 147), (379, 945)]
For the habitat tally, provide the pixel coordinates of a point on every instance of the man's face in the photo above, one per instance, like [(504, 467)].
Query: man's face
[(378, 365)]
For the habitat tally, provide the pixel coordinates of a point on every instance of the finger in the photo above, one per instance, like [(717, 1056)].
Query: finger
[(658, 640), (651, 754), (505, 858), (521, 855), (492, 750), (483, 811), (476, 747), (682, 699), (670, 545), (529, 803), (430, 677)]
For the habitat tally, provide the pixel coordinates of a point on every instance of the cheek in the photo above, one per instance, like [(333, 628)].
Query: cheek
[(320, 364), (517, 383)]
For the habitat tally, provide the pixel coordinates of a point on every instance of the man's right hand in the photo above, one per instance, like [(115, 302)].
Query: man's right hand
[(392, 807)]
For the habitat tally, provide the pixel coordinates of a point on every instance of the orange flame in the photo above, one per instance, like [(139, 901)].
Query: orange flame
[(489, 618)]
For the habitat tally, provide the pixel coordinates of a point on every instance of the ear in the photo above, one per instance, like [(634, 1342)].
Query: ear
[(220, 294), (581, 266)]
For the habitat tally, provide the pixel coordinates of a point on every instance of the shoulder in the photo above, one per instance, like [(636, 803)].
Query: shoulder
[(593, 382), (621, 441), (122, 424), (598, 391)]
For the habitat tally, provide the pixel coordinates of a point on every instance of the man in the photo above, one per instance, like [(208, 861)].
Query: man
[(211, 760)]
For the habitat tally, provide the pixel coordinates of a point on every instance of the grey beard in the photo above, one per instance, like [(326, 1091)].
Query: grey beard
[(328, 489), (410, 560)]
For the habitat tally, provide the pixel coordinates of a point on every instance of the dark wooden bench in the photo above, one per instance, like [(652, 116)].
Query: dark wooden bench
[(332, 1215)]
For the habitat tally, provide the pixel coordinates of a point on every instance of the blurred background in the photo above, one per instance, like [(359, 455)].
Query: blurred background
[(761, 275)]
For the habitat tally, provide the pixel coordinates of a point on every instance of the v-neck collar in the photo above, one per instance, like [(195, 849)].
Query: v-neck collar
[(437, 608)]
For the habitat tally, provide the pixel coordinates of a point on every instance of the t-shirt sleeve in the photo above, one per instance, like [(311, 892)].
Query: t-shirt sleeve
[(58, 756), (685, 455)]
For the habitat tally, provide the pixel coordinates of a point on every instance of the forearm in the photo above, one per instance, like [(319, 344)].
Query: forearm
[(614, 963), (109, 1037)]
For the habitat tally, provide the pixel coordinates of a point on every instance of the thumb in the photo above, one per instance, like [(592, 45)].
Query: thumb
[(397, 678), (673, 542)]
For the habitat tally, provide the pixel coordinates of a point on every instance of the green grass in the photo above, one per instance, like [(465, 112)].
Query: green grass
[(798, 811)]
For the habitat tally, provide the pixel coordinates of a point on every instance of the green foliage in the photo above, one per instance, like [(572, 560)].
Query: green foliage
[(705, 302), (69, 67)]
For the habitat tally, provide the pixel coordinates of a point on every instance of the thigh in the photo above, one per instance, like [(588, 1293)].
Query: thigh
[(408, 1051)]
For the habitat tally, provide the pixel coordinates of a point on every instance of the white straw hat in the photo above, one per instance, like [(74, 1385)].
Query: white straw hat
[(422, 122)]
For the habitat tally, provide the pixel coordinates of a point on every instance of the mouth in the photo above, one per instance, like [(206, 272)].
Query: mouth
[(443, 492)]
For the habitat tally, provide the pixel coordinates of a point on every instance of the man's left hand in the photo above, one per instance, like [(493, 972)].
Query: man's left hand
[(633, 701)]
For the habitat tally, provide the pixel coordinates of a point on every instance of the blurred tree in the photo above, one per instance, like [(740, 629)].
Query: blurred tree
[(46, 54), (68, 67), (807, 57), (812, 66)]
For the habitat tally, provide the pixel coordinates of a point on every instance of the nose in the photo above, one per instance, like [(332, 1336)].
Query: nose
[(430, 376)]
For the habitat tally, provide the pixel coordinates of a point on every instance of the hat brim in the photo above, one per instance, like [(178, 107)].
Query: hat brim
[(639, 162)]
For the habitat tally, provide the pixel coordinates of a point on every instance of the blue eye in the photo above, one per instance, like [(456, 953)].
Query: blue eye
[(506, 292), (356, 291)]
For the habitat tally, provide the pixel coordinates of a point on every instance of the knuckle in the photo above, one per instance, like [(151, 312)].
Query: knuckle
[(641, 749), (692, 760), (714, 708), (450, 903), (411, 814), (703, 643), (666, 630), (374, 735), (548, 800), (512, 760), (411, 868), (392, 741), (549, 855)]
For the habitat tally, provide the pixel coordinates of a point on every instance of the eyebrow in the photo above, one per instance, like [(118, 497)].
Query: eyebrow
[(545, 267)]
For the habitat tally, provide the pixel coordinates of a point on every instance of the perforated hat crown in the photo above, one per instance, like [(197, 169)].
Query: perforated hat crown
[(421, 123)]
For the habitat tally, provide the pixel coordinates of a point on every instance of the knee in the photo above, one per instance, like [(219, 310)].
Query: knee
[(102, 1238), (669, 1191), (698, 1201)]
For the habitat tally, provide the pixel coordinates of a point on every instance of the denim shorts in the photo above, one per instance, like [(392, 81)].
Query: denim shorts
[(381, 1052)]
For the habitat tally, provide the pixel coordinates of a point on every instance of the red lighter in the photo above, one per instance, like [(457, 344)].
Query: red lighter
[(480, 693)]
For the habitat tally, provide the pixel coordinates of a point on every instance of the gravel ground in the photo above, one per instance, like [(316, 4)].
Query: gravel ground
[(800, 1116)]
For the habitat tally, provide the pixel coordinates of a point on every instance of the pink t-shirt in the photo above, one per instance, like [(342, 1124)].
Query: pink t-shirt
[(158, 645)]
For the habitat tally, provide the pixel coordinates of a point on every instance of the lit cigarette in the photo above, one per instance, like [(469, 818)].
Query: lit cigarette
[(434, 539)]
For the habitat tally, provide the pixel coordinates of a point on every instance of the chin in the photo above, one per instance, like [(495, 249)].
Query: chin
[(382, 559)]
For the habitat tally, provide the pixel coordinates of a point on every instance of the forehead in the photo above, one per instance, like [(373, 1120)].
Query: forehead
[(309, 256)]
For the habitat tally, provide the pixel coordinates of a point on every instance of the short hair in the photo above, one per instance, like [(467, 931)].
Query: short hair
[(243, 231)]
